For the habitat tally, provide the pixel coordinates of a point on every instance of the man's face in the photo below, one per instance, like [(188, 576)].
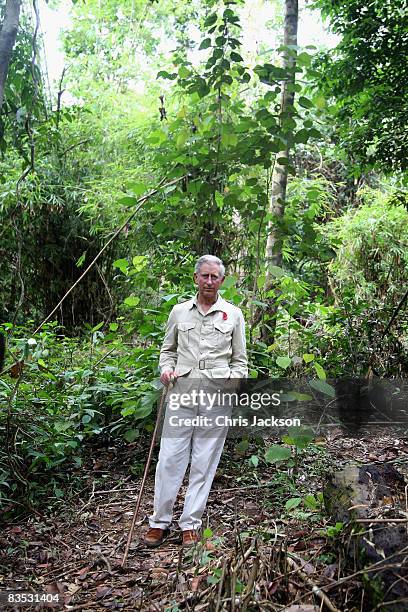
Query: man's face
[(209, 280)]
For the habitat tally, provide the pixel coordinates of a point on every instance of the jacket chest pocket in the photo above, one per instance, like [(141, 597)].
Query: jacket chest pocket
[(218, 335), (185, 334)]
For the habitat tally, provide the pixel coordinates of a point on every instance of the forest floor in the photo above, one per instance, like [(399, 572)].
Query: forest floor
[(257, 555)]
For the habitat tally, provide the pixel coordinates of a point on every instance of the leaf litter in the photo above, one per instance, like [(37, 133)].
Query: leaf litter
[(257, 556)]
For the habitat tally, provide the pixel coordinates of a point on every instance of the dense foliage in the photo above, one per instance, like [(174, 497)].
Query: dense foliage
[(367, 78), (168, 125)]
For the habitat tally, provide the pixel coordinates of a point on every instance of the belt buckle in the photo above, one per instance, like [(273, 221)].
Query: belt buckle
[(201, 364)]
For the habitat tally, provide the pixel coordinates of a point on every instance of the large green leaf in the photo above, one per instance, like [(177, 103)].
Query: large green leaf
[(276, 453), (283, 362), (323, 387)]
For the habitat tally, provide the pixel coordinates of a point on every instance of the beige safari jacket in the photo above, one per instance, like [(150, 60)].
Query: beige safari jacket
[(210, 345)]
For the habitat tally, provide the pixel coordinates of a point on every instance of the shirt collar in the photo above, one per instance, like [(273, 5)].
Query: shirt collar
[(218, 305)]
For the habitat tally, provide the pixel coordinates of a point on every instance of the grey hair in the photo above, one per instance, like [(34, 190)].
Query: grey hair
[(210, 259)]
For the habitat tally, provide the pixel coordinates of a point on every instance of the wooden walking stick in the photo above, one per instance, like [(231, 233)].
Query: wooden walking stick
[(149, 458)]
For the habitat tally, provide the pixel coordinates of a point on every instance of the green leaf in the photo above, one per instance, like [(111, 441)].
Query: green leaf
[(323, 387), (137, 188), (219, 199), (113, 327), (302, 136), (217, 53), (304, 59), (98, 326), (254, 459), (203, 91), (170, 296), (80, 260), (139, 262), (211, 19), (319, 371), (122, 264), (183, 72), (182, 139), (226, 78), (292, 503), (127, 200), (129, 407), (301, 436), (260, 281), (228, 14), (311, 502), (207, 533), (242, 446), (132, 300), (230, 281), (166, 75), (319, 102), (308, 357), (283, 362), (276, 271), (277, 453), (220, 41), (236, 57), (305, 102), (229, 139), (131, 434), (300, 397), (205, 44), (313, 133)]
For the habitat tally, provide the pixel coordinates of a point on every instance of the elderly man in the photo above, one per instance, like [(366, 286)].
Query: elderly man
[(204, 340)]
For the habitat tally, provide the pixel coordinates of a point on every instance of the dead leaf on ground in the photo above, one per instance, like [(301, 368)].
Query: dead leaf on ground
[(103, 591), (302, 608), (195, 582), (55, 587)]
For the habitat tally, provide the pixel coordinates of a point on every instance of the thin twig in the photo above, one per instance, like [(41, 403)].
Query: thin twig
[(315, 589)]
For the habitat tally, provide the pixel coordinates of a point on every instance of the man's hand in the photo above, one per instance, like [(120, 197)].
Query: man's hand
[(167, 377)]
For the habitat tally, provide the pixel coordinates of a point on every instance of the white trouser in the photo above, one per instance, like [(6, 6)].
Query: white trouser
[(202, 445)]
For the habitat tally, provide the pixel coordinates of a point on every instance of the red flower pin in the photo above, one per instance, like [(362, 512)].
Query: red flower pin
[(224, 316)]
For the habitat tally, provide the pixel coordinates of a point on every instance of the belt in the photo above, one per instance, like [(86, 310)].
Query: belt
[(205, 364)]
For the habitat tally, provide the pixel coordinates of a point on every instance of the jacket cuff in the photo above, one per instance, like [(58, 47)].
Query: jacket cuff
[(166, 368)]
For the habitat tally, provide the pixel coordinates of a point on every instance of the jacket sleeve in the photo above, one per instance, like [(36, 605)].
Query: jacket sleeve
[(168, 353), (239, 360)]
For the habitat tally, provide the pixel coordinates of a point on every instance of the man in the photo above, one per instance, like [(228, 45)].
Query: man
[(204, 340)]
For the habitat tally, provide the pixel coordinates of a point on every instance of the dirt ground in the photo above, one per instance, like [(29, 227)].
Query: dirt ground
[(257, 553)]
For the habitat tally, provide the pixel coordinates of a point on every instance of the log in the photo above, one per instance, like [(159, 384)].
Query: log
[(358, 494)]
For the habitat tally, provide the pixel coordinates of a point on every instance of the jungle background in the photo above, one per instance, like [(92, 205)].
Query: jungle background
[(173, 130)]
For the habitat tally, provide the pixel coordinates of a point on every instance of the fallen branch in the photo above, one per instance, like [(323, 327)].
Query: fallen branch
[(315, 589)]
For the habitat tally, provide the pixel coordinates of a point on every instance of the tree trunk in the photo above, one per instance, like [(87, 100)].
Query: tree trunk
[(8, 34), (273, 251)]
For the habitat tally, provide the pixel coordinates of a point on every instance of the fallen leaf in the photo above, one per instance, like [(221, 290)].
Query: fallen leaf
[(302, 608), (103, 591), (159, 570), (195, 583), (55, 587), (330, 570), (83, 571)]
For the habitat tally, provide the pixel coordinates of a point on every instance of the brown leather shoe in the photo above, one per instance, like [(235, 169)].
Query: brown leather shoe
[(155, 536), (190, 537)]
